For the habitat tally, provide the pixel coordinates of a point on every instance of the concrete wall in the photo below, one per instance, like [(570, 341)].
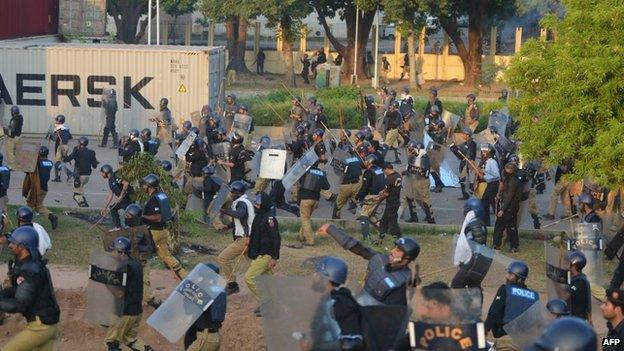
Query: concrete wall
[(82, 17)]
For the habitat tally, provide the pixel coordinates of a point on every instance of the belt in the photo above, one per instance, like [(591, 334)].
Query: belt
[(354, 181), (210, 330), (493, 180), (156, 227)]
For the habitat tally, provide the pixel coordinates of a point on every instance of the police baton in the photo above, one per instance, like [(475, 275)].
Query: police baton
[(560, 220)]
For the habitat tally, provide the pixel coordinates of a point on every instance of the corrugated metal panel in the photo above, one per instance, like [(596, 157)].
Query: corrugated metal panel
[(23, 18), (185, 75)]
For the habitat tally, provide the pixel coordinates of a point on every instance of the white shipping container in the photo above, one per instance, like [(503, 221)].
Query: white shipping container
[(47, 80)]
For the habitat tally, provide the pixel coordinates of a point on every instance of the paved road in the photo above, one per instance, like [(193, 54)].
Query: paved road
[(447, 209)]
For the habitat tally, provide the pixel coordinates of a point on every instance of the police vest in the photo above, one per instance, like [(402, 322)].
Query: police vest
[(165, 207), (115, 186), (5, 177), (379, 180), (380, 282), (353, 169), (151, 146), (517, 301), (313, 180), (45, 168), (239, 231), (45, 305), (583, 277)]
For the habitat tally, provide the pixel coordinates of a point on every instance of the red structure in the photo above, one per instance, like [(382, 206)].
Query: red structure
[(25, 18)]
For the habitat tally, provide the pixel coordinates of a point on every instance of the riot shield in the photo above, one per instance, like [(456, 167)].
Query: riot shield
[(587, 238), (185, 146), (298, 169), (339, 160), (187, 302), (221, 150), (28, 157), (242, 123), (505, 145), (447, 320), (557, 271), (196, 119), (499, 119), (478, 264), (383, 325), (143, 246), (272, 164), (528, 326), (219, 199), (294, 315), (449, 178), (450, 120), (105, 289)]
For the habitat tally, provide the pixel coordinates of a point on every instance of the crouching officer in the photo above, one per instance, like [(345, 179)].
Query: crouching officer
[(387, 275), (156, 215), (84, 161), (31, 293), (120, 189), (580, 291), (203, 335), (35, 186), (124, 329), (512, 299), (373, 182), (329, 279), (150, 144)]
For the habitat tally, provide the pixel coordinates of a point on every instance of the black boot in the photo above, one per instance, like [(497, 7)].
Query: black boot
[(397, 160), (536, 221), (438, 183), (113, 346), (335, 213), (57, 172), (53, 220), (465, 195), (428, 213), (413, 215), (232, 288), (365, 227), (352, 206)]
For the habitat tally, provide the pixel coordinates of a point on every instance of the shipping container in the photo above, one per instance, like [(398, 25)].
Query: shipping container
[(47, 80), (24, 18)]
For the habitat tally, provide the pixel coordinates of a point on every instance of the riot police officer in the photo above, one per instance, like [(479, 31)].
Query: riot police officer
[(238, 157), (124, 330), (469, 273), (60, 136), (466, 153), (489, 174), (512, 299), (84, 160), (5, 181), (416, 182), (24, 217), (311, 184), (35, 187), (570, 334), (297, 115), (150, 144), (350, 184), (210, 186), (438, 133), (212, 130), (392, 195), (373, 182), (157, 215), (164, 123), (31, 294), (580, 291), (120, 189), (196, 160), (319, 119), (509, 196), (14, 134), (229, 111), (243, 213), (586, 209), (392, 122), (557, 308), (387, 275), (133, 146), (109, 105)]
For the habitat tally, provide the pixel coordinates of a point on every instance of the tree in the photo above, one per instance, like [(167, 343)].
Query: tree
[(347, 11), (286, 16), (127, 15), (480, 13), (235, 14), (572, 91), (177, 8)]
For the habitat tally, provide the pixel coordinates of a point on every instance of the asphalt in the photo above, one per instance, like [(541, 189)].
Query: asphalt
[(447, 208)]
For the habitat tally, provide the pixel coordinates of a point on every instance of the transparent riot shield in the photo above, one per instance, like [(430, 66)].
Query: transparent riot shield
[(557, 271), (499, 119), (528, 326), (186, 145), (450, 120), (449, 178), (143, 246), (478, 265), (106, 287), (192, 297), (299, 168), (339, 161), (272, 164), (446, 319), (587, 238), (221, 150), (242, 123), (383, 325), (295, 316), (219, 199)]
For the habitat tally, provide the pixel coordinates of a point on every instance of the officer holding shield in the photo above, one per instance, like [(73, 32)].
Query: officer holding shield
[(60, 136), (580, 291), (373, 182), (311, 185)]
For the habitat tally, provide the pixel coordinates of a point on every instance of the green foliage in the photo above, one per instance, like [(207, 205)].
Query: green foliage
[(285, 14), (489, 72), (575, 86), (178, 7)]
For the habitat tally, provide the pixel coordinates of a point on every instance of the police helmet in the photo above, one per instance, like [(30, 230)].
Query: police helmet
[(27, 237), (440, 124), (134, 133), (238, 187), (333, 268), (405, 90), (360, 135), (199, 143), (372, 158), (122, 244), (146, 133), (485, 147), (409, 246), (395, 104), (566, 334), (519, 269), (44, 151), (558, 307), (320, 107), (312, 99), (237, 138), (473, 204), (83, 141), (578, 259), (164, 102), (319, 132), (208, 170), (514, 158), (187, 125), (243, 107), (213, 266), (231, 96), (585, 198), (134, 211), (60, 119), (370, 98), (471, 96), (346, 132), (151, 180), (166, 165), (24, 214), (15, 110), (467, 131), (106, 169), (301, 130)]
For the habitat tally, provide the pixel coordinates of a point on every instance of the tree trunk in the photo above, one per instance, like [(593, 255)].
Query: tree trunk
[(411, 50), (289, 66), (172, 34), (127, 16), (236, 36)]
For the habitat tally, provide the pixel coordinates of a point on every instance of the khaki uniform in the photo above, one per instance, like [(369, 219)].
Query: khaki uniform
[(393, 138), (417, 189), (161, 240), (257, 267), (36, 203), (61, 152), (370, 206), (532, 202), (13, 145), (125, 331), (560, 191), (206, 341), (505, 344), (261, 184), (84, 179), (217, 222), (36, 336), (346, 192), (435, 159), (306, 207), (471, 117), (230, 258)]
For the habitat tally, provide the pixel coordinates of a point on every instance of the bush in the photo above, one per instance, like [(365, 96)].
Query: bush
[(272, 109)]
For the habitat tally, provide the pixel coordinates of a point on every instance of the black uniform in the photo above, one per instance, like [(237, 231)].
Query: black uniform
[(346, 312), (210, 320), (389, 220), (197, 159), (151, 145), (370, 184), (116, 186), (299, 147), (469, 151), (312, 192), (438, 103), (152, 207), (209, 190), (84, 160), (320, 150), (110, 109), (15, 126), (60, 136), (305, 70), (509, 204), (580, 297), (265, 237), (130, 149), (616, 332), (44, 167), (239, 156), (511, 300), (471, 274), (133, 294)]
